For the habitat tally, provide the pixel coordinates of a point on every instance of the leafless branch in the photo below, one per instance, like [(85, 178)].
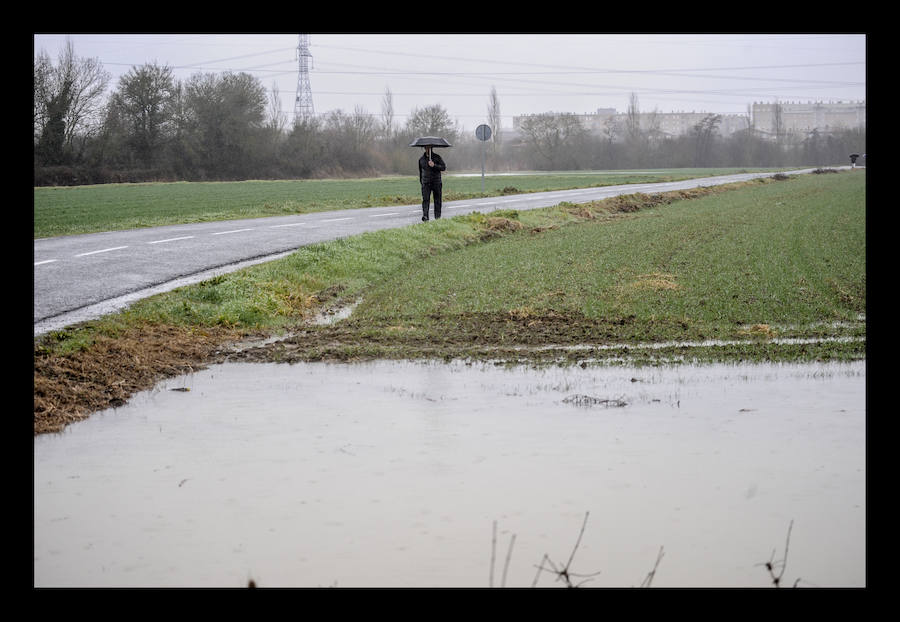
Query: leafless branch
[(493, 552), (649, 578), (512, 541), (540, 568), (494, 555), (772, 563), (578, 542), (565, 572)]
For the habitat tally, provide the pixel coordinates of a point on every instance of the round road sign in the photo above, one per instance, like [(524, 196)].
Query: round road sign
[(483, 132)]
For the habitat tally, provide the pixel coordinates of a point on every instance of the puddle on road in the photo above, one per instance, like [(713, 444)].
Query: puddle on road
[(393, 473)]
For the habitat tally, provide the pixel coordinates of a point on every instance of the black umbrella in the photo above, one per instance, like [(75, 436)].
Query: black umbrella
[(430, 141)]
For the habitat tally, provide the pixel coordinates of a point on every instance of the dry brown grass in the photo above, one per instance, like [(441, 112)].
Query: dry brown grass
[(68, 388), (758, 330), (656, 281), (499, 223)]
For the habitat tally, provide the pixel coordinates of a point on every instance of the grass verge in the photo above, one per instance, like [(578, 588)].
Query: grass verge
[(109, 207), (752, 266)]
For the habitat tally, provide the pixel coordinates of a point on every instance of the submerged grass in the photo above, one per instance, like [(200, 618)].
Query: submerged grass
[(749, 262)]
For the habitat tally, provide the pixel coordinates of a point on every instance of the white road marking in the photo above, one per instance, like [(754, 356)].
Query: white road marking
[(335, 219), (187, 237), (38, 263), (233, 231), (290, 224), (105, 250), (386, 214)]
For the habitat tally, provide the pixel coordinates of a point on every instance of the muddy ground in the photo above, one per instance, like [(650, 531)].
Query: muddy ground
[(70, 388)]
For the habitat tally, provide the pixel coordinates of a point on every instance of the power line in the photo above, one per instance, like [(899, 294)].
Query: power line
[(589, 69), (222, 60)]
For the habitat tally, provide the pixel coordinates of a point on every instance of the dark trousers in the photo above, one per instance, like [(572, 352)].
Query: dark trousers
[(429, 188)]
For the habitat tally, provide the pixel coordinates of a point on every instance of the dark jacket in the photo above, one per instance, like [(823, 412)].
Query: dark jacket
[(431, 174)]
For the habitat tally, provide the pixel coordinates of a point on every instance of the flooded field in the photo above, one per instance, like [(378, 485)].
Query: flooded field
[(393, 474)]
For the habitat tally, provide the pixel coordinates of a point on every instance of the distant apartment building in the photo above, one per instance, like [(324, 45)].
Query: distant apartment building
[(803, 118), (796, 118), (672, 124), (657, 124)]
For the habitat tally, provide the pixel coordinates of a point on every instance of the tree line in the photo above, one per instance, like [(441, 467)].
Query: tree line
[(227, 126)]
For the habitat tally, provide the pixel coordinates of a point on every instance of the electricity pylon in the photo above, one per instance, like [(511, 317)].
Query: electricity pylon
[(303, 103)]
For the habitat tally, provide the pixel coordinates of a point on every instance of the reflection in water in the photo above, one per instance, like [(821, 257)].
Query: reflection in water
[(393, 473)]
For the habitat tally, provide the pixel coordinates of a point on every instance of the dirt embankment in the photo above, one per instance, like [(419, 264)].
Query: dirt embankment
[(68, 388)]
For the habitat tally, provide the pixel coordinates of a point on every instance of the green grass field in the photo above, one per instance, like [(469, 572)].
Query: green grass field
[(748, 262), (110, 207), (779, 254)]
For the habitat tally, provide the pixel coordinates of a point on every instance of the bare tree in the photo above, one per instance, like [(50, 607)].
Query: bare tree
[(362, 126), (68, 97), (637, 146), (550, 134), (704, 134), (494, 116), (652, 126), (277, 121), (387, 113), (43, 78), (778, 121), (88, 82), (751, 122), (634, 118), (432, 121)]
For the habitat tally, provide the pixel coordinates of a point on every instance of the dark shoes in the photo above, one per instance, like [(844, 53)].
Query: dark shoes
[(424, 218)]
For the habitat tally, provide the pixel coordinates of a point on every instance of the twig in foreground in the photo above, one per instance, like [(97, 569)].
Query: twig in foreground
[(649, 578), (565, 572), (771, 564), (493, 552), (512, 541)]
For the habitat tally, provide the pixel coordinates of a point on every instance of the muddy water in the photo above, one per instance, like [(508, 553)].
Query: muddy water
[(393, 474)]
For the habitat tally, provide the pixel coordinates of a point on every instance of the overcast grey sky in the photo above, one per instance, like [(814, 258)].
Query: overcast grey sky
[(532, 73)]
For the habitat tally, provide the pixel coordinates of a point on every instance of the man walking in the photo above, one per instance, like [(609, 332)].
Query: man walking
[(430, 167)]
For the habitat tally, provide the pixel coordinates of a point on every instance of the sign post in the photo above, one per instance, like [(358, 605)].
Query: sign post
[(482, 133)]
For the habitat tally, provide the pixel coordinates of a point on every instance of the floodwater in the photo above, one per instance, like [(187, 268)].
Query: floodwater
[(401, 474)]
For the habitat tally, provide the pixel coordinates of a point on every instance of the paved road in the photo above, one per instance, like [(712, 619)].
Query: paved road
[(82, 277)]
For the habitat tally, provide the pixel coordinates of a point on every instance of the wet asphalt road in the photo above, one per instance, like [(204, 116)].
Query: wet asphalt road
[(82, 277)]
